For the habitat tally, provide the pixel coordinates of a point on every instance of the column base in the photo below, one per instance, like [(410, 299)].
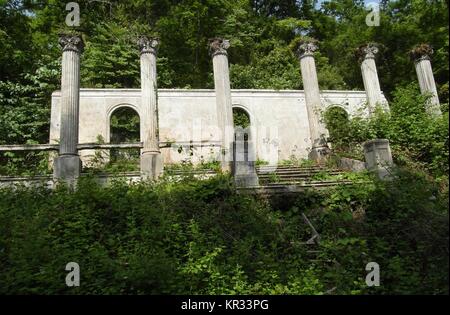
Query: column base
[(67, 168), (383, 173), (226, 159), (151, 165), (433, 108), (246, 180), (226, 166), (319, 154)]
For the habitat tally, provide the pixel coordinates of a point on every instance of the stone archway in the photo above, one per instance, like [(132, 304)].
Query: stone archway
[(338, 126), (244, 151), (242, 121), (124, 125)]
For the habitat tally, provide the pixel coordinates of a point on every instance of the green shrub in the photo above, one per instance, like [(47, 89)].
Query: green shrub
[(417, 139), (200, 237)]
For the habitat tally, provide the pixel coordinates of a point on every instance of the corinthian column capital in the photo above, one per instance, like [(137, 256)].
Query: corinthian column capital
[(367, 51), (421, 52), (71, 43), (307, 48), (218, 46), (147, 45)]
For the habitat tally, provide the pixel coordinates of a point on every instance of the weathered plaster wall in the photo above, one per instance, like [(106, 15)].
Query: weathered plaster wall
[(278, 118)]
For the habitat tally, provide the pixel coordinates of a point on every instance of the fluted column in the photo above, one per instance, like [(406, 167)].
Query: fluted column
[(218, 50), (369, 73), (68, 165), (305, 52), (421, 57), (151, 160)]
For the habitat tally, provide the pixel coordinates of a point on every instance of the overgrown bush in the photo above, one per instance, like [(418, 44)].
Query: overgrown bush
[(201, 237), (417, 139)]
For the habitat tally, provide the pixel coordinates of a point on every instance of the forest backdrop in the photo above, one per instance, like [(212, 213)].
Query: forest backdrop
[(262, 34)]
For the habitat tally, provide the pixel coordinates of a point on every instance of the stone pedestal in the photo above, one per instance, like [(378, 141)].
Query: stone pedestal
[(218, 50), (319, 153), (370, 76), (151, 165), (244, 158), (319, 149), (378, 157), (421, 57), (67, 166), (151, 160)]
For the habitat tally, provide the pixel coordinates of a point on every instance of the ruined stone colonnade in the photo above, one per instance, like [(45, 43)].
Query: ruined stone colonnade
[(151, 161), (421, 55), (67, 166)]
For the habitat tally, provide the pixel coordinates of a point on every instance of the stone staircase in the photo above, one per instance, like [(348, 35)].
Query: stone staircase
[(292, 178), (283, 179), (294, 174)]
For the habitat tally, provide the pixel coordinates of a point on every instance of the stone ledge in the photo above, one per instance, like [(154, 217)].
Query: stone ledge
[(294, 188)]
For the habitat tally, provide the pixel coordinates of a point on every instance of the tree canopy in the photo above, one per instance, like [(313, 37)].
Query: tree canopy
[(263, 34)]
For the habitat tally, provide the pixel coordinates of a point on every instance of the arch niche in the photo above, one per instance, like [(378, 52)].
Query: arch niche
[(242, 121), (124, 126), (338, 125)]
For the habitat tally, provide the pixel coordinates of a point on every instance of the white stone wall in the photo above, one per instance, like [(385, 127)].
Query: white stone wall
[(278, 118)]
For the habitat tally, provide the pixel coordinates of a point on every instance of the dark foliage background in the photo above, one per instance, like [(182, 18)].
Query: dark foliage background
[(262, 34)]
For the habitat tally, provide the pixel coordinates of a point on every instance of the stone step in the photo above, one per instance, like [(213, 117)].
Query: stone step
[(181, 172), (310, 182), (299, 176), (278, 188), (296, 175), (293, 181), (294, 171), (293, 168), (284, 167), (300, 173)]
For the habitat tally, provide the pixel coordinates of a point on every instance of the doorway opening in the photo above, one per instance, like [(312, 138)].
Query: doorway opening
[(124, 128)]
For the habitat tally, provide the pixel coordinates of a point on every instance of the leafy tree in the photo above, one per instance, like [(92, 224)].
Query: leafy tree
[(16, 45), (25, 107), (418, 140), (241, 118), (111, 58)]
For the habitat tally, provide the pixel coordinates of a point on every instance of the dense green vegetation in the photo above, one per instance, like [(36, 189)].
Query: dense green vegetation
[(241, 118), (418, 140), (200, 237)]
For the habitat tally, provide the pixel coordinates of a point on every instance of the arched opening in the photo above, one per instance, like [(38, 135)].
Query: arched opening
[(338, 125), (124, 127), (241, 120)]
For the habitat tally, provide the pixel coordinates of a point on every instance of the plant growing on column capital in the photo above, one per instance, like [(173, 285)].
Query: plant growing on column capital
[(218, 46), (367, 51), (421, 52), (307, 47), (71, 42), (147, 44)]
